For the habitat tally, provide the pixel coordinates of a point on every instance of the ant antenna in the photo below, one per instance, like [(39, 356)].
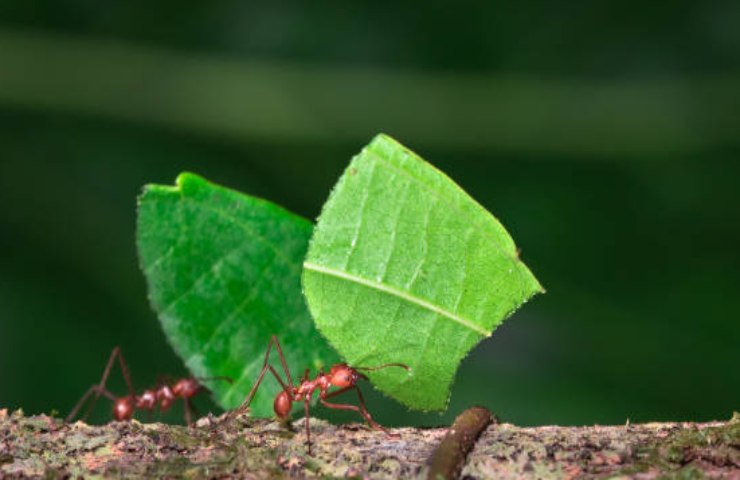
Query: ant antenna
[(370, 369)]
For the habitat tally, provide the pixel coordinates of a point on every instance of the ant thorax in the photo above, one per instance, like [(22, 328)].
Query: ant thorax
[(165, 397), (305, 389), (147, 400)]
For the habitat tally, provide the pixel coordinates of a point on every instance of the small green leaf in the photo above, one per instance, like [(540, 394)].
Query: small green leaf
[(223, 271), (404, 266)]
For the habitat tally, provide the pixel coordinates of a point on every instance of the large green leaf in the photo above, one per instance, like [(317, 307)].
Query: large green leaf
[(223, 271), (404, 266)]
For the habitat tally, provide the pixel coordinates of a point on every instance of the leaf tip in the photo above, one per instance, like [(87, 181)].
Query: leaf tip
[(383, 137), (185, 180), (383, 141)]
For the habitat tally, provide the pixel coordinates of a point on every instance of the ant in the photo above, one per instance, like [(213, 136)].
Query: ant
[(340, 375), (165, 394)]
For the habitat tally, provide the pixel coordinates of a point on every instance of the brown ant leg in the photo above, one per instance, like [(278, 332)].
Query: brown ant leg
[(287, 389), (115, 353), (362, 409), (195, 411), (93, 389), (188, 411), (265, 367), (124, 370), (274, 340), (306, 405)]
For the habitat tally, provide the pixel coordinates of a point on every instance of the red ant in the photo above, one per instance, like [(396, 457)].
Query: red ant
[(165, 394), (340, 375)]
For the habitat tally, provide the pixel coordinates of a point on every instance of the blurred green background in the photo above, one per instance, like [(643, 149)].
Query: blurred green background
[(606, 137)]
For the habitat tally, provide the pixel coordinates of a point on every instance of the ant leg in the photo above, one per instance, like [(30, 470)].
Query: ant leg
[(248, 400), (188, 414), (253, 391), (115, 353), (265, 366), (124, 370), (287, 389), (93, 389), (305, 375), (282, 358), (362, 409), (308, 430)]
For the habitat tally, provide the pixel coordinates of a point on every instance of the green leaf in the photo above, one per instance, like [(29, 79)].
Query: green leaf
[(404, 266), (223, 271)]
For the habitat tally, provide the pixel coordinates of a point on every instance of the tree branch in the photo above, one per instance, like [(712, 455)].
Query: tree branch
[(257, 448)]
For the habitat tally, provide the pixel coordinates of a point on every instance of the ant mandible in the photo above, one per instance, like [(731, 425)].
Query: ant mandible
[(164, 395), (340, 375)]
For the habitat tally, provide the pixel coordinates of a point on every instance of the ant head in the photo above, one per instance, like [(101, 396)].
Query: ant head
[(342, 375), (186, 388), (123, 409)]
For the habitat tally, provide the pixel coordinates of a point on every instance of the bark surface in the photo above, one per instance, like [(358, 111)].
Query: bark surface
[(42, 446)]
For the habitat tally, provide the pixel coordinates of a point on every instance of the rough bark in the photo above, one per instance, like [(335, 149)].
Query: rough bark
[(42, 446)]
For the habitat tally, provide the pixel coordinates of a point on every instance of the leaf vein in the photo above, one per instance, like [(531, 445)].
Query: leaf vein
[(397, 293), (148, 269), (452, 204), (392, 240), (360, 217), (248, 297)]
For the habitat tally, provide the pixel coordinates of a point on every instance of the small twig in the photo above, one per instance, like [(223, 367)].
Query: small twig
[(449, 457)]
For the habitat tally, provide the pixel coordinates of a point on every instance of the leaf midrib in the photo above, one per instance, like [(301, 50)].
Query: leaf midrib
[(420, 302)]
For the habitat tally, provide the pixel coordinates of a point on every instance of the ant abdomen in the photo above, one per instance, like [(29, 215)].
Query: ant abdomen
[(123, 409), (282, 405)]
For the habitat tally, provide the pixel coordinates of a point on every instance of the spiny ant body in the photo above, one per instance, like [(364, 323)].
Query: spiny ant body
[(340, 375), (164, 395)]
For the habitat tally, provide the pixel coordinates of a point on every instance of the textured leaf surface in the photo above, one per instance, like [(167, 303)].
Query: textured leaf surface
[(223, 271), (404, 266)]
